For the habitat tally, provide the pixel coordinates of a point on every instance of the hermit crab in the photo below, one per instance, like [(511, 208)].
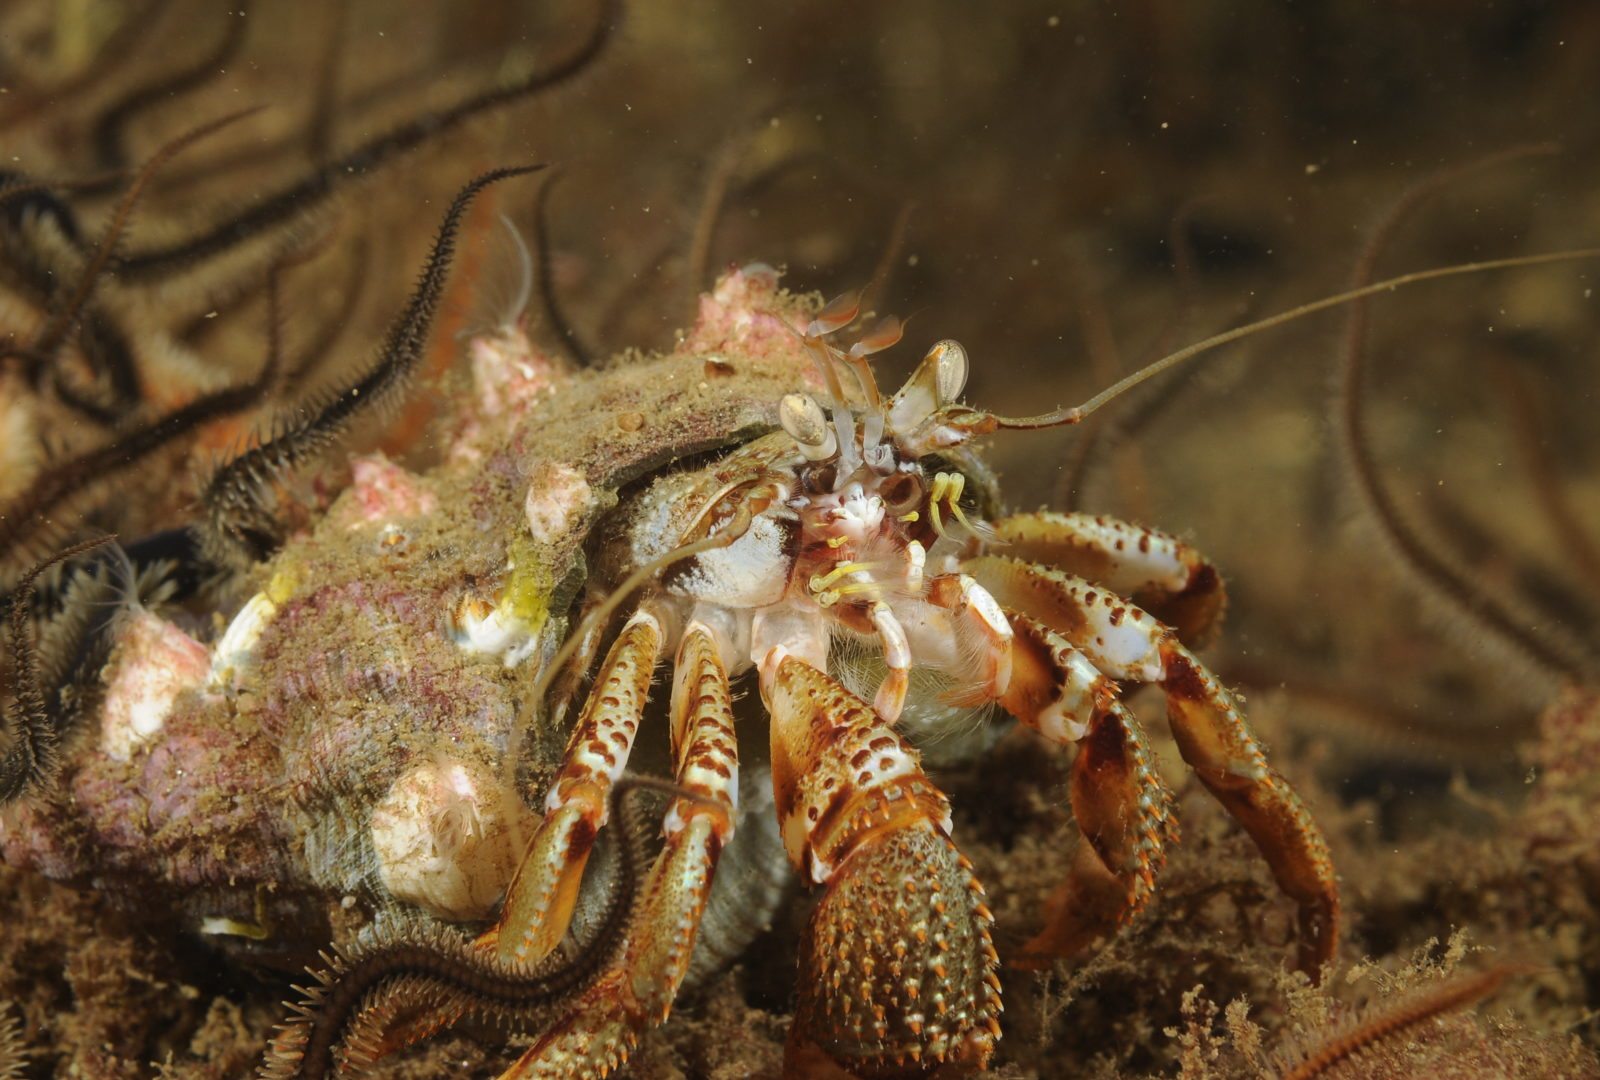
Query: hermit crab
[(365, 724), (854, 522)]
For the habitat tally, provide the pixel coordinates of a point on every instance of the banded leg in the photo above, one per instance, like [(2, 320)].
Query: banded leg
[(1159, 572), (896, 965), (1217, 742), (1211, 732), (1121, 806), (538, 906), (601, 1028)]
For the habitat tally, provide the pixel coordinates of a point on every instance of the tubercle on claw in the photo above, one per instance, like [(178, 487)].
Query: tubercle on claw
[(858, 822), (899, 966)]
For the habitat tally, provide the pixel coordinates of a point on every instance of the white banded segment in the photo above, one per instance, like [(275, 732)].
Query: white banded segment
[(1123, 557), (1169, 578), (703, 739), (605, 1022), (1121, 639), (1059, 690), (597, 753), (539, 904)]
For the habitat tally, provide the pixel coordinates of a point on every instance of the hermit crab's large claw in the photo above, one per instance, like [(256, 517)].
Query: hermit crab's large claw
[(897, 969)]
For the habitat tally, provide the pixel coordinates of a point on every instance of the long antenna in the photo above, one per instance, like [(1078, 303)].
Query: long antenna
[(1064, 417)]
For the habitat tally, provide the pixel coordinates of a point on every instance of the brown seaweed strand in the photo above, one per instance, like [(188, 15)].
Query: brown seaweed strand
[(29, 512), (45, 193), (724, 164), (325, 99), (1437, 576), (309, 355), (319, 184), (1100, 439), (439, 976), (109, 132), (30, 761), (1391, 1019), (889, 258), (237, 499), (66, 319), (121, 46)]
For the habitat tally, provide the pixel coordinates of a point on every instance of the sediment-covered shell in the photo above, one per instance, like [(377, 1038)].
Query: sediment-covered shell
[(337, 693)]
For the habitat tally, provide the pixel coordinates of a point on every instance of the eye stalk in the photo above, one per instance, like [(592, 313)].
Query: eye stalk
[(808, 426)]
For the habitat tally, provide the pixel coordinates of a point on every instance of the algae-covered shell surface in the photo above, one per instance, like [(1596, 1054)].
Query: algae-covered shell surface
[(353, 730)]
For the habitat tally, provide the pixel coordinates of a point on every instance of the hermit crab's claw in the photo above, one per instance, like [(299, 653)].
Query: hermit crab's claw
[(897, 969), (895, 959)]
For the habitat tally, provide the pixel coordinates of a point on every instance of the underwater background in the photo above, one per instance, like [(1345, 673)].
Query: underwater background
[(1071, 190)]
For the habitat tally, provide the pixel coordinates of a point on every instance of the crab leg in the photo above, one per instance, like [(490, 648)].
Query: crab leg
[(978, 619), (1121, 806), (1215, 739), (601, 1028), (891, 696), (1164, 575), (538, 906), (897, 966), (1126, 643)]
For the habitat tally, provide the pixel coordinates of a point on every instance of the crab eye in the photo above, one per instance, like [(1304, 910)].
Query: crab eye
[(950, 361), (807, 425)]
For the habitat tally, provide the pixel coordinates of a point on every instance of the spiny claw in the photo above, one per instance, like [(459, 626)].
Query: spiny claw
[(897, 968), (897, 965)]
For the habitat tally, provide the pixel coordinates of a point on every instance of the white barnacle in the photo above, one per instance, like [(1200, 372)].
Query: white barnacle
[(152, 662), (448, 835), (235, 651), (558, 498), (486, 629)]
